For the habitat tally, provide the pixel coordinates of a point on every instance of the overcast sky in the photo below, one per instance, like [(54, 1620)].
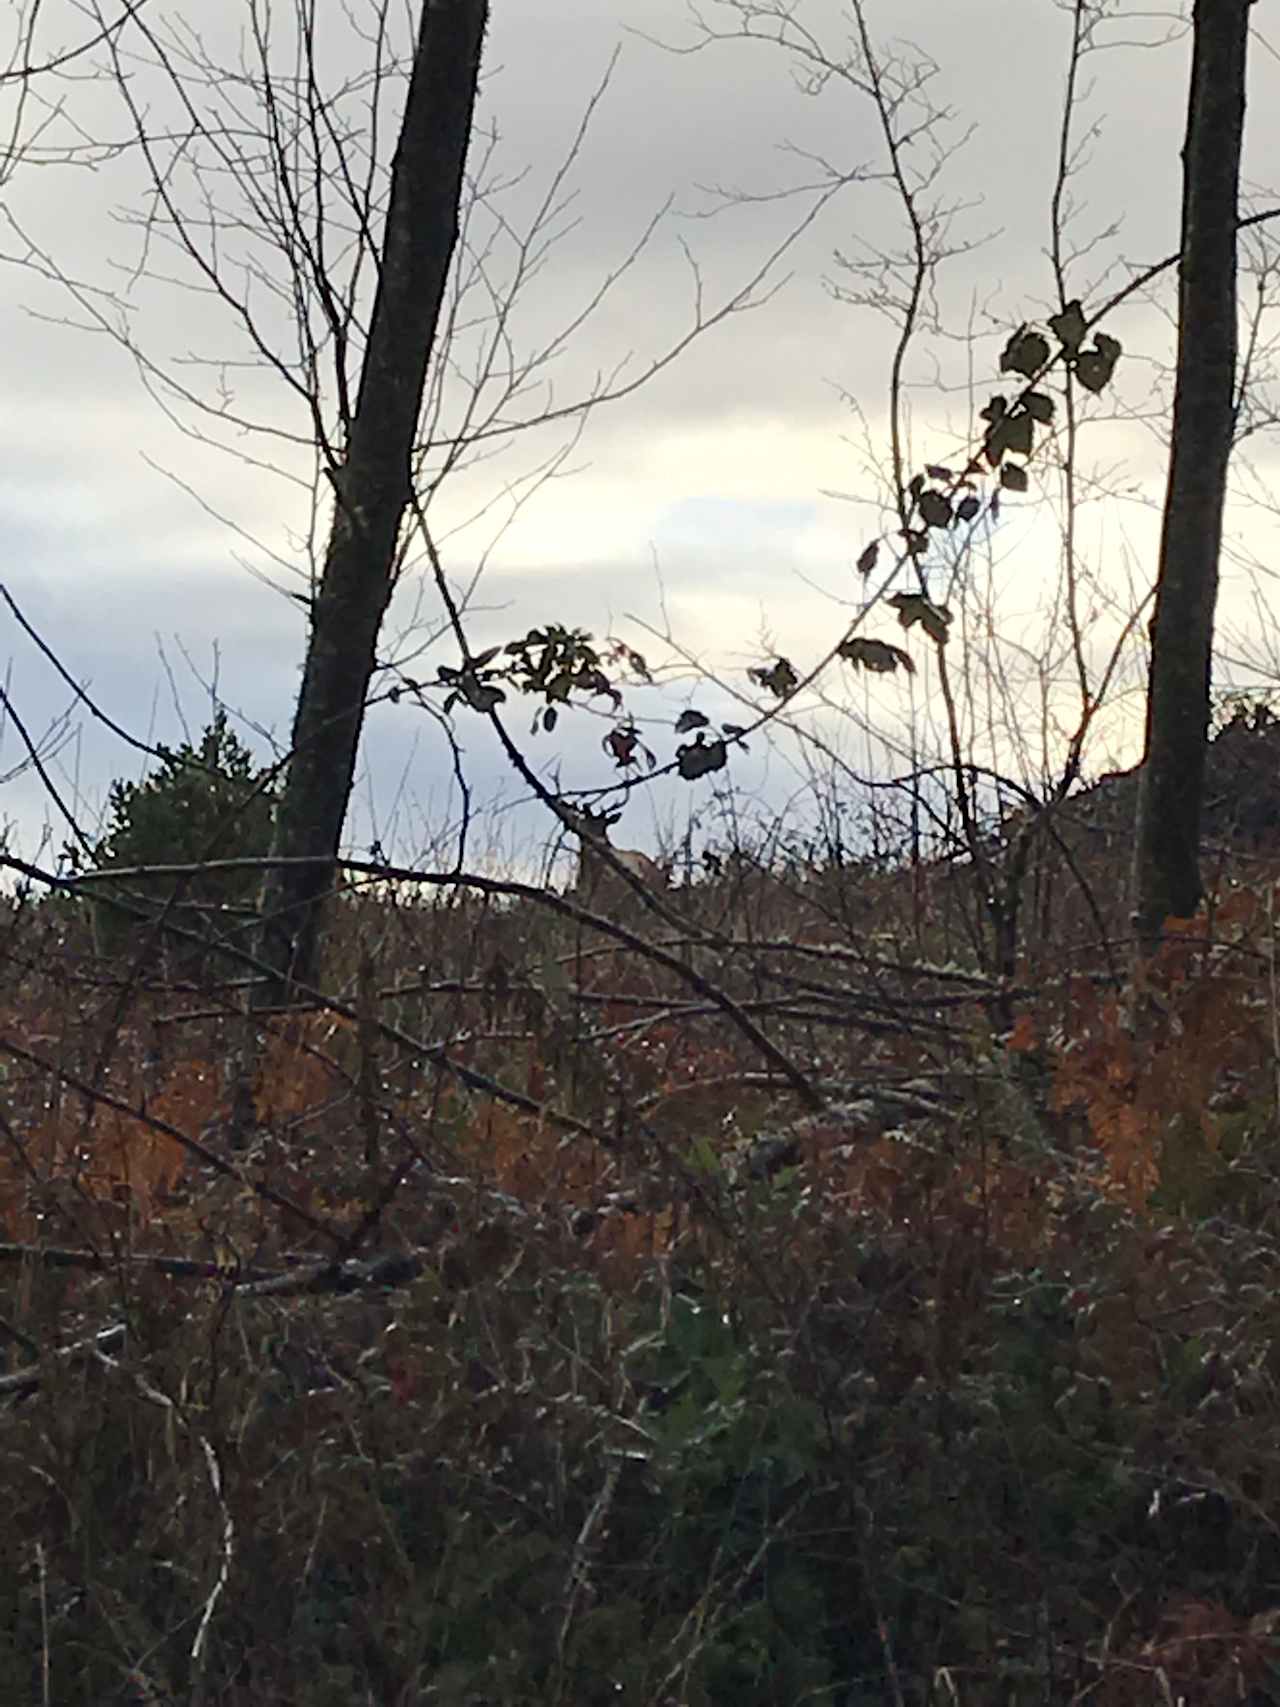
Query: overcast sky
[(699, 506)]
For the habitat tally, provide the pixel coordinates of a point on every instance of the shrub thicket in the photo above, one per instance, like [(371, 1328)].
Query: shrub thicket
[(202, 802)]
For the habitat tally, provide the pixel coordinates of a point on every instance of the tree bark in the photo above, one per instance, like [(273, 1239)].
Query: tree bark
[(373, 486), (1166, 879)]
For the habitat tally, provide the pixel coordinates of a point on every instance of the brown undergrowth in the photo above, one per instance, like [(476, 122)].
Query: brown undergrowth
[(536, 1343)]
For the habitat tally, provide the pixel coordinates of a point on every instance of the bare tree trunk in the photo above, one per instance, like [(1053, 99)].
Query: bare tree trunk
[(1166, 880), (373, 487)]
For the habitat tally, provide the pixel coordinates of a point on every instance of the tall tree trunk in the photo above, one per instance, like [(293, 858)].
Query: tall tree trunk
[(374, 485), (1166, 880)]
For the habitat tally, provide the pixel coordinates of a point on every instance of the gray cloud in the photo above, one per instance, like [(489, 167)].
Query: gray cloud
[(705, 490)]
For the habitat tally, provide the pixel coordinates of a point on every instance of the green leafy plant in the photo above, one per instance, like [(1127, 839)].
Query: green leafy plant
[(202, 803)]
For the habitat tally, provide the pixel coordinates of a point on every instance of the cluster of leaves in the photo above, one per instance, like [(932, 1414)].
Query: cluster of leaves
[(941, 498), (552, 663), (559, 665), (1011, 426)]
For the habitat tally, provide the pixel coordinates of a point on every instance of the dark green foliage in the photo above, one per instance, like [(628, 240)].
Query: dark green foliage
[(204, 802)]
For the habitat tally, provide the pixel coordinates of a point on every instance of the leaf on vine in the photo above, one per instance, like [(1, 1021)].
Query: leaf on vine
[(935, 509), (867, 561), (915, 608), (480, 696), (968, 507), (778, 678), (1094, 368), (632, 660), (1025, 353), (1013, 477), (876, 655), (1039, 406), (1069, 327), (700, 757), (690, 719), (625, 747), (1014, 431)]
